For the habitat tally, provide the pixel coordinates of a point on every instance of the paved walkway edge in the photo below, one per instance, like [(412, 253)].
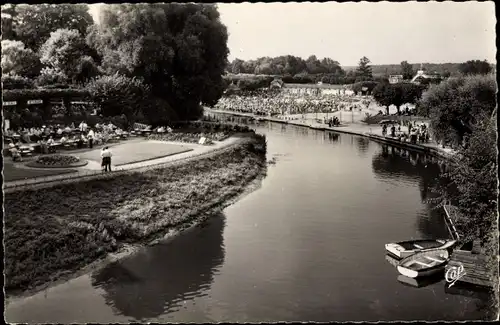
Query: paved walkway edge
[(341, 129), (53, 180)]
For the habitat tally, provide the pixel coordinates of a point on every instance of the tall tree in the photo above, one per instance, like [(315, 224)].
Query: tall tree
[(455, 105), (63, 52), (34, 23), (9, 17), (475, 67), (364, 70), (18, 60), (180, 50), (236, 66), (407, 70), (382, 93)]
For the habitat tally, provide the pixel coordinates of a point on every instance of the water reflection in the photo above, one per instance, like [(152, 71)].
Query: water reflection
[(484, 298), (157, 280), (397, 165), (421, 282), (363, 145), (333, 137)]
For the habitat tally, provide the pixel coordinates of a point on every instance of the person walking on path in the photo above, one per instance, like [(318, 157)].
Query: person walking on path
[(106, 159), (90, 138)]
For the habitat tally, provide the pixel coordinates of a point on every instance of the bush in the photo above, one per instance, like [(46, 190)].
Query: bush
[(52, 77), (118, 95), (456, 104), (10, 82), (19, 60), (27, 94)]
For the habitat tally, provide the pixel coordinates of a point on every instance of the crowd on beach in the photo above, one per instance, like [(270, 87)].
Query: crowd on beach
[(271, 104)]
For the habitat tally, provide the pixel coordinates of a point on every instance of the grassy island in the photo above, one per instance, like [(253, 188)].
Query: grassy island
[(57, 231)]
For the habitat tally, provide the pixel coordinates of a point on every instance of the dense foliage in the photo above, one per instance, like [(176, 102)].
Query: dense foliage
[(10, 82), (285, 65), (64, 54), (179, 50), (118, 95), (27, 94), (407, 70), (456, 104), (364, 70), (365, 87), (475, 67), (387, 94), (32, 24), (19, 60)]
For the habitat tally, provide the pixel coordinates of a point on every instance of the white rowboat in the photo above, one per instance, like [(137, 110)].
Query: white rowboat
[(407, 248), (424, 263)]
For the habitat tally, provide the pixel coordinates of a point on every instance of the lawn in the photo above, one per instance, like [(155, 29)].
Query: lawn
[(134, 152), (12, 173), (49, 232)]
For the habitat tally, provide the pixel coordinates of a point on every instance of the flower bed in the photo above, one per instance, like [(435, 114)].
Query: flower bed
[(56, 161), (56, 231)]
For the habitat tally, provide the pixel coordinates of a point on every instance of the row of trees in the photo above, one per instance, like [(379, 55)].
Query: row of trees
[(175, 53), (286, 65), (297, 70), (398, 94)]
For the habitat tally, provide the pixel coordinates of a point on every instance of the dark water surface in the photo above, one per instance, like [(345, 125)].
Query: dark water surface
[(308, 245)]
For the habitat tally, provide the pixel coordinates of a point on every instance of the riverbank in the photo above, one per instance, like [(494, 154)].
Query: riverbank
[(51, 234), (359, 129)]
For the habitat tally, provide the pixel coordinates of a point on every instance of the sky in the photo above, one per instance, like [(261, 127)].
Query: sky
[(385, 32)]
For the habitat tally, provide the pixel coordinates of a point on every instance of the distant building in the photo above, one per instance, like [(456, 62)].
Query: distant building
[(397, 78), (427, 76)]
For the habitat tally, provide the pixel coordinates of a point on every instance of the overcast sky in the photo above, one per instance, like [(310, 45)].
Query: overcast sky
[(385, 32)]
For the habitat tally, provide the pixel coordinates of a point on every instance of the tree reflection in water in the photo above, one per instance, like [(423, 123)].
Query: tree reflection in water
[(402, 165), (157, 280)]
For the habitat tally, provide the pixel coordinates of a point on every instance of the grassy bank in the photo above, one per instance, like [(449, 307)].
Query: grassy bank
[(52, 232)]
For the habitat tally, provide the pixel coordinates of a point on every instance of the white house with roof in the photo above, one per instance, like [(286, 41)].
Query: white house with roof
[(396, 78), (422, 74)]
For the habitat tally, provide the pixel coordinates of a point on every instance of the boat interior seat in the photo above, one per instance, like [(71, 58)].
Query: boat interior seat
[(434, 259), (418, 246)]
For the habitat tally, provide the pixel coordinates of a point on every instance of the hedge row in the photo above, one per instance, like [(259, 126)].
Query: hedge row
[(209, 127), (28, 94)]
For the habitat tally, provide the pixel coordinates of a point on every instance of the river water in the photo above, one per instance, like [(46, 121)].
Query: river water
[(306, 245)]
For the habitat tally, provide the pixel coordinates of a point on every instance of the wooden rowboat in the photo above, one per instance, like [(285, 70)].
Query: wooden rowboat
[(424, 263), (406, 248)]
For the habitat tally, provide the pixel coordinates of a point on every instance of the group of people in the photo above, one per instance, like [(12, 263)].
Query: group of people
[(47, 138), (289, 104), (416, 132)]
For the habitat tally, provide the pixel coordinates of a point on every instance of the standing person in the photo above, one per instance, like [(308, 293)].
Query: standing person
[(90, 138), (106, 158), (384, 130), (393, 131), (103, 160)]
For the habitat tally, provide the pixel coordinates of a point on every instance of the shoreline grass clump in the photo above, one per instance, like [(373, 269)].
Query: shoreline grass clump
[(49, 232)]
